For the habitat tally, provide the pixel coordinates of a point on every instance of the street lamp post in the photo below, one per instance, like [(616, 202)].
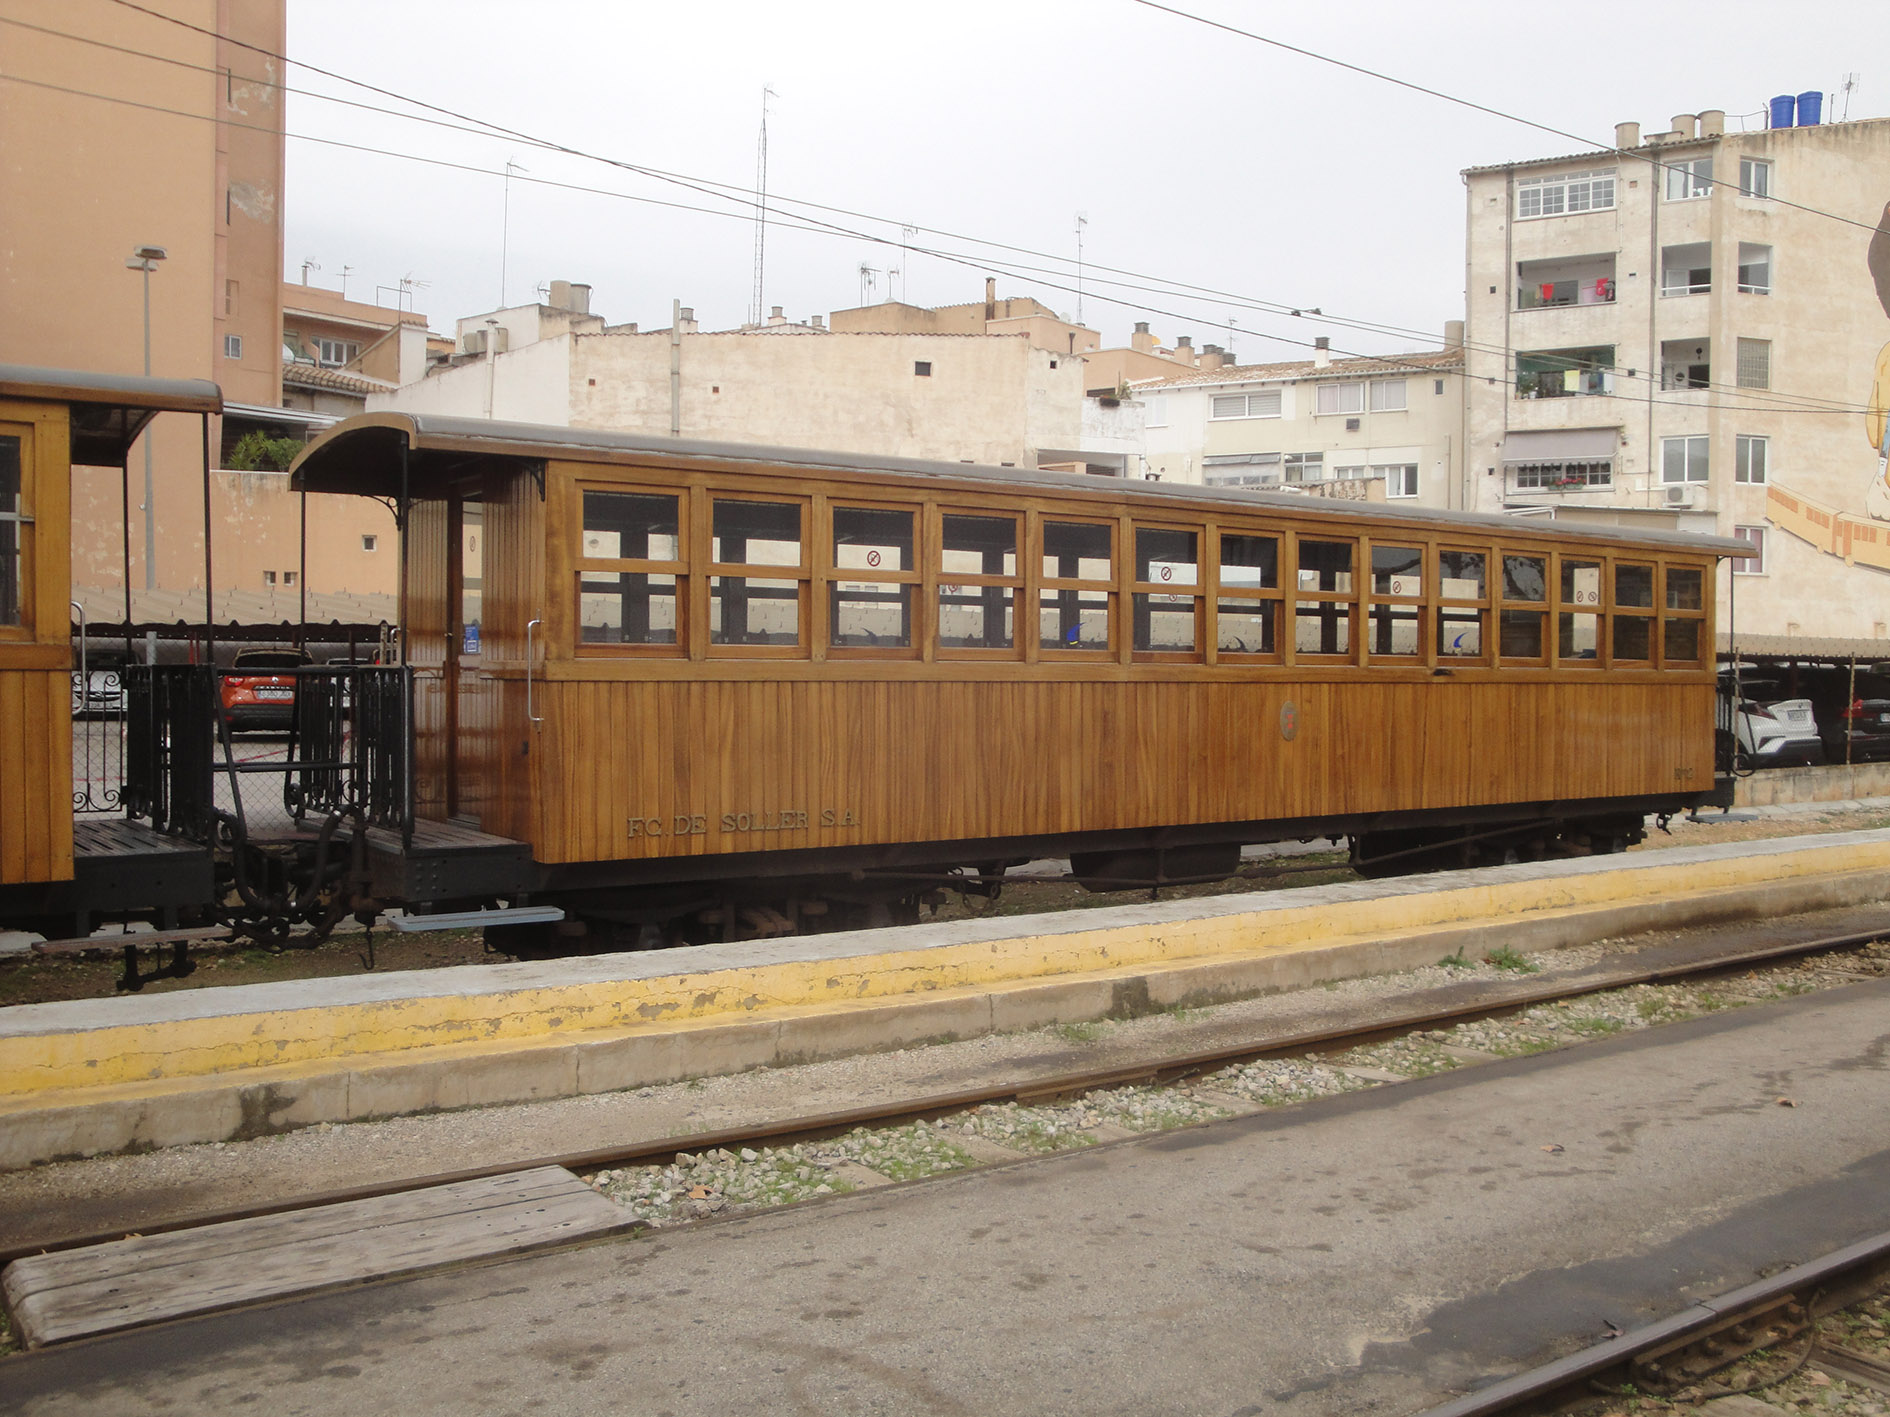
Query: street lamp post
[(145, 259)]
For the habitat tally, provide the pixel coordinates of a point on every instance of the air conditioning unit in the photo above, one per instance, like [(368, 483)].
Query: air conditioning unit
[(1351, 425), (1682, 496), (473, 342)]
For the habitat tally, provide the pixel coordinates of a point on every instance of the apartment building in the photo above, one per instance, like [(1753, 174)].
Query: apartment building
[(1690, 332), (161, 128), (886, 381), (1359, 429)]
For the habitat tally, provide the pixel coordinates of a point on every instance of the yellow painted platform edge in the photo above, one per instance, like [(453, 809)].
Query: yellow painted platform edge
[(242, 1042)]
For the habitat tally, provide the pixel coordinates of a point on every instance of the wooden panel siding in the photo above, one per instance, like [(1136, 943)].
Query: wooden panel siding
[(36, 658), (935, 761)]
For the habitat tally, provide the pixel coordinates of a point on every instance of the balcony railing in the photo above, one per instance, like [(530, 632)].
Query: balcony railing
[(1563, 383), (1539, 295)]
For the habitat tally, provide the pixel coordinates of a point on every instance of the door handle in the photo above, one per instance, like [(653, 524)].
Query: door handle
[(530, 626)]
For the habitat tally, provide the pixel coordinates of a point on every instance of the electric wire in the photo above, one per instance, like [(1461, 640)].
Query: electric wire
[(1759, 400)]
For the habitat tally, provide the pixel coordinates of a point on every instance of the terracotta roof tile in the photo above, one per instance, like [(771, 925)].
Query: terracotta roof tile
[(316, 376), (1307, 369)]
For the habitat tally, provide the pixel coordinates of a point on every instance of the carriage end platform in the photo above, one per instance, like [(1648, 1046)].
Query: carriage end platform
[(195, 1065)]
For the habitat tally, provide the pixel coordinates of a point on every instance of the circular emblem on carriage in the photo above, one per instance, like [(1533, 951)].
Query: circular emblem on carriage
[(1289, 720), (872, 558)]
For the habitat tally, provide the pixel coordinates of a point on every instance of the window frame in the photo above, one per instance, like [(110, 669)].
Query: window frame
[(1414, 602), (1109, 587), (1244, 595), (1563, 606), (1754, 355), (1742, 565), (802, 575), (1749, 167), (832, 572), (1621, 614), (1407, 475), (25, 522), (1403, 405), (1694, 174), (939, 577), (1334, 387), (1744, 445), (1543, 609), (1687, 479), (1138, 589), (1482, 604), (581, 565), (1672, 614), (1348, 600), (1564, 183)]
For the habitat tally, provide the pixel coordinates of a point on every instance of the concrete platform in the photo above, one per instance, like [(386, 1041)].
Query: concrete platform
[(106, 1075)]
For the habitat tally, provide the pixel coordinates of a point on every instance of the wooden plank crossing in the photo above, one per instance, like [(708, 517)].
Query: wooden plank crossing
[(148, 1279)]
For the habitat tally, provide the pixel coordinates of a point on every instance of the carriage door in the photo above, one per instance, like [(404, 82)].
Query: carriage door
[(468, 692)]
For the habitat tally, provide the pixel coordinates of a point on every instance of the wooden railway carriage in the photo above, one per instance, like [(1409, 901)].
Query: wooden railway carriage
[(717, 688), (57, 868)]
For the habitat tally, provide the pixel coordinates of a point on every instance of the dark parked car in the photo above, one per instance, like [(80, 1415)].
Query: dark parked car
[(259, 688), (1859, 733)]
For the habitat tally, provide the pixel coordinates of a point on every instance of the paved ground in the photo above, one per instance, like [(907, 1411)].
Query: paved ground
[(1362, 1254)]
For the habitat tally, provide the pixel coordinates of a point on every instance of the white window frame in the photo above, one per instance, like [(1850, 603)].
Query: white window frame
[(1747, 467), (232, 346), (1357, 470), (1302, 463), (1155, 413), (1338, 395), (1745, 286), (334, 353), (1222, 408), (1755, 177), (1690, 178), (1753, 565), (1691, 469), (1752, 363), (1389, 396), (1401, 479), (1565, 194), (370, 541)]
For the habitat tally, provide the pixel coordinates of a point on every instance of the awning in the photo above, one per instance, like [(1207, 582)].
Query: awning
[(266, 413), (1561, 445)]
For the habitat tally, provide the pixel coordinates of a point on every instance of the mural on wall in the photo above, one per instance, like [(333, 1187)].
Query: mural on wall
[(1860, 540)]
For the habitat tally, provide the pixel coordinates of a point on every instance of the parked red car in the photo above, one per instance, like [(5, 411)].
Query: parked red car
[(258, 693)]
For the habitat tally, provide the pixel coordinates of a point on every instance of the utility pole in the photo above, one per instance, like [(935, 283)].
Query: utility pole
[(505, 224), (144, 260), (1082, 220)]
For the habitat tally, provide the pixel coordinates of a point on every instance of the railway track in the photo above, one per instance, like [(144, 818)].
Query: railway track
[(1163, 1070), (1678, 1357)]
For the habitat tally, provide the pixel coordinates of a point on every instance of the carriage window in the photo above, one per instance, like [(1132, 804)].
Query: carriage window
[(1397, 587), (1075, 591), (1322, 616), (1247, 612), (978, 582), (1166, 609), (1681, 626), (870, 606), (11, 508), (1462, 590), (1525, 581), (635, 600), (1633, 632), (630, 526), (1578, 619), (756, 610)]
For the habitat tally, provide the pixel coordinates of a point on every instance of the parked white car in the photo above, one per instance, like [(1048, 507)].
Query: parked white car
[(97, 691), (1772, 731)]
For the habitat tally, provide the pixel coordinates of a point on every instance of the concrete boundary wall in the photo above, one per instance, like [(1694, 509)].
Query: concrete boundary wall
[(1833, 782), (216, 1064)]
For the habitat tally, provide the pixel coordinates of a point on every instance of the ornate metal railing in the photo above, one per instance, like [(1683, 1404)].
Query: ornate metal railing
[(190, 763)]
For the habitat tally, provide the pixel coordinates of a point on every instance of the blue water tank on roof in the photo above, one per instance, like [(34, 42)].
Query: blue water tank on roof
[(1810, 109), (1782, 109)]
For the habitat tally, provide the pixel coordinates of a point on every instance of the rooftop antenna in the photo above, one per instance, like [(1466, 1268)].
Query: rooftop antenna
[(344, 281), (869, 279), (505, 224), (311, 264), (1850, 84), (409, 283), (758, 309), (906, 233), (1082, 220)]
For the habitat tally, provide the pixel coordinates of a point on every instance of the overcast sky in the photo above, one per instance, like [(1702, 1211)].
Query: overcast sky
[(1200, 158)]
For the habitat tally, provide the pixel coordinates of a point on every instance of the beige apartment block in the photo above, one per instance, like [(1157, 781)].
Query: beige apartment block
[(1359, 429), (171, 139), (1693, 331), (922, 392)]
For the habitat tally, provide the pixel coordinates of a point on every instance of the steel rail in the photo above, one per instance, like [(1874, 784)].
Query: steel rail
[(1157, 1070), (1532, 1387)]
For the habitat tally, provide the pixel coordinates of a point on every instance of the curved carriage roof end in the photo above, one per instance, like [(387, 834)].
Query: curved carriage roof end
[(361, 456)]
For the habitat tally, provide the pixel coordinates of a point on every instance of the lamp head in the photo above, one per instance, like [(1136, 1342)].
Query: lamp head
[(142, 254)]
